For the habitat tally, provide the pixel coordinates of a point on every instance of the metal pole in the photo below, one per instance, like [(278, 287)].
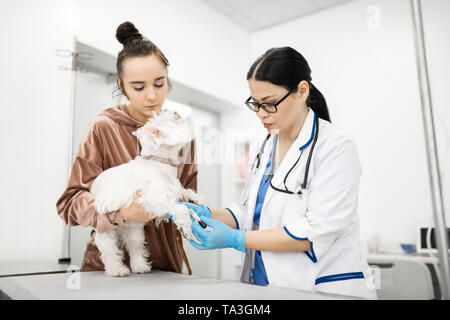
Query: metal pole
[(431, 148), (71, 111)]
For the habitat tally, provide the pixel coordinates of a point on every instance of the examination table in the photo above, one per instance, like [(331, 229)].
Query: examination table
[(157, 285)]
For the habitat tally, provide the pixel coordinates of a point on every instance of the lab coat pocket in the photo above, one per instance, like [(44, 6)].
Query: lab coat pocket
[(351, 284), (294, 209)]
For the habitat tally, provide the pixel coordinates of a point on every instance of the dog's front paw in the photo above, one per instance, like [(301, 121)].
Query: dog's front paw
[(186, 232), (141, 268), (190, 196), (117, 271)]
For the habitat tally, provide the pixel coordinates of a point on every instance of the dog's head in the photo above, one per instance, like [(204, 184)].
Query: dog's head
[(165, 134)]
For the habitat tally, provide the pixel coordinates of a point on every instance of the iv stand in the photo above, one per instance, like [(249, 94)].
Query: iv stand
[(67, 259), (431, 148)]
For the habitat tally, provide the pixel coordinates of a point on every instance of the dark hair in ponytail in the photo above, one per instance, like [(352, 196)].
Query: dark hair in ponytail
[(134, 45), (286, 67)]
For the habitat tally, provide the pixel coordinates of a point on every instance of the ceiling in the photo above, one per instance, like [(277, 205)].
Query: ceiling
[(255, 15)]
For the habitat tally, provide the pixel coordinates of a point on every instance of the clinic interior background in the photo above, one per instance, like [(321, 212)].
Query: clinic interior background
[(362, 58)]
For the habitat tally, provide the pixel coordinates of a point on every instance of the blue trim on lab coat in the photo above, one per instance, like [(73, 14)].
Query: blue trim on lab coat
[(234, 217), (312, 256), (312, 134), (340, 277)]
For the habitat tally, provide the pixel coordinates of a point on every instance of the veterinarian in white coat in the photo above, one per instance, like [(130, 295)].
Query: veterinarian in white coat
[(297, 221)]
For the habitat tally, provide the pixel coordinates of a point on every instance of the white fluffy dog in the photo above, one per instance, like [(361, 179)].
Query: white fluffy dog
[(154, 172)]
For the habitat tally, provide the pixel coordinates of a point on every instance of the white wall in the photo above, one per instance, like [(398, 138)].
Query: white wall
[(368, 76), (36, 94)]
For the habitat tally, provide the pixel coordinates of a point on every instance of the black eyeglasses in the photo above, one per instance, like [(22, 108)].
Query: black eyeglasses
[(268, 107)]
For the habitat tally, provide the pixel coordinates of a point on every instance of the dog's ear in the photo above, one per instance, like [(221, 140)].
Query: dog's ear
[(146, 134), (153, 132), (153, 135)]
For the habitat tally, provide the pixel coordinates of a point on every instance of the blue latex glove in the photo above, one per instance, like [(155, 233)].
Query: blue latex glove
[(222, 236), (201, 211), (169, 215)]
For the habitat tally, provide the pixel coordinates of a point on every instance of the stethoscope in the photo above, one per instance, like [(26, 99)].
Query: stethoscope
[(299, 190)]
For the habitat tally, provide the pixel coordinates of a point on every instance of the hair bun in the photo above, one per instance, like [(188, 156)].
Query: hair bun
[(126, 32)]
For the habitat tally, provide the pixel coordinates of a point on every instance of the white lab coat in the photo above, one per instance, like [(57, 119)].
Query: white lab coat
[(326, 216)]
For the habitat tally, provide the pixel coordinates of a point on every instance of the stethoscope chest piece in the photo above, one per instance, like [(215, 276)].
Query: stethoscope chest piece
[(299, 191)]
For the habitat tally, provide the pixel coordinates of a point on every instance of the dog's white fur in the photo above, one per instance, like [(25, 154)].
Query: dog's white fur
[(163, 135)]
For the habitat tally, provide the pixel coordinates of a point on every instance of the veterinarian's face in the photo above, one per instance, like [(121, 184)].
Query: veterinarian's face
[(145, 84), (288, 111)]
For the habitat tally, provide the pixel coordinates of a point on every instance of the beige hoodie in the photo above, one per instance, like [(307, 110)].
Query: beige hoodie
[(107, 143)]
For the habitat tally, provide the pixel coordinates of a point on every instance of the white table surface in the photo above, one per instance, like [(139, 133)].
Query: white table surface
[(157, 285), (17, 268), (402, 256)]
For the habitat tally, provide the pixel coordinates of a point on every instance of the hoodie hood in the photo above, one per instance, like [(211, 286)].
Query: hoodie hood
[(120, 114)]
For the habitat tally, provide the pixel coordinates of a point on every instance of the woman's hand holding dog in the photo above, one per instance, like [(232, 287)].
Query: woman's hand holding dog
[(134, 211)]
